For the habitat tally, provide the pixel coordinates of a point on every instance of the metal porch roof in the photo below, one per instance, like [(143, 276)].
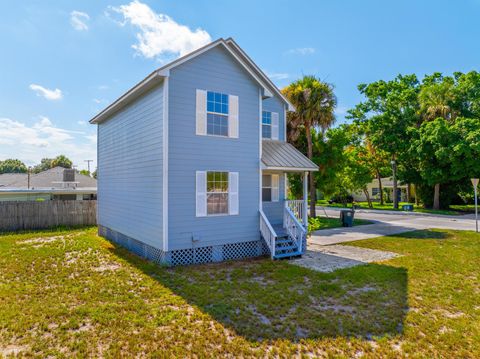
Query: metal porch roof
[(278, 155)]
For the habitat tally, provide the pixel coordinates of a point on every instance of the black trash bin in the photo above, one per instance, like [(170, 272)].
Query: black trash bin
[(346, 217)]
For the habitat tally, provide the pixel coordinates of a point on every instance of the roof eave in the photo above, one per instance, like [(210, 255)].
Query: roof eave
[(290, 106), (289, 169), (146, 84)]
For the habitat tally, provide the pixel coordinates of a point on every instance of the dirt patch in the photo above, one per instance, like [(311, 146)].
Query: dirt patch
[(262, 281), (12, 350), (107, 267), (40, 241), (263, 319)]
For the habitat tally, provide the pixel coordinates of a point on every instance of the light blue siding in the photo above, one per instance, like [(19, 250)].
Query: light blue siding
[(274, 104), (274, 210), (130, 176), (217, 71)]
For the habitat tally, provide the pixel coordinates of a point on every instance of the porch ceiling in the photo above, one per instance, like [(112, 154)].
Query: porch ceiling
[(278, 155)]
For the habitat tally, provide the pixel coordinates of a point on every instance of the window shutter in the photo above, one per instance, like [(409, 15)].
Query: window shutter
[(274, 125), (233, 193), (201, 112), (201, 193), (275, 188), (232, 116)]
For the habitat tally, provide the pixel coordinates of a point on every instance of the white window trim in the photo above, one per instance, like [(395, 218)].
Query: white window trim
[(216, 113), (271, 187), (266, 124), (228, 194)]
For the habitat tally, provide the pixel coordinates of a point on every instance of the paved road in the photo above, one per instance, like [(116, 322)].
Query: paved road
[(386, 223)]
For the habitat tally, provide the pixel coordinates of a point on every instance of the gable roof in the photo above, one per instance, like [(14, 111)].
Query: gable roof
[(279, 155), (49, 179), (161, 73)]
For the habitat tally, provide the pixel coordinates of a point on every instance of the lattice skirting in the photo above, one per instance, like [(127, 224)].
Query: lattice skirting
[(188, 256)]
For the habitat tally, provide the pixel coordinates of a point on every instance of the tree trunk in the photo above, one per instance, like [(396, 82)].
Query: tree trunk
[(311, 182), (408, 192), (367, 195), (436, 197), (416, 195), (380, 187), (395, 184)]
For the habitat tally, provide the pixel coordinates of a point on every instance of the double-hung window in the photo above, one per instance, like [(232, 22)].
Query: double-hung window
[(266, 124), (217, 193), (270, 188), (217, 114)]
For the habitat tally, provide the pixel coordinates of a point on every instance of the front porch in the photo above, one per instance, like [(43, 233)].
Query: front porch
[(283, 222)]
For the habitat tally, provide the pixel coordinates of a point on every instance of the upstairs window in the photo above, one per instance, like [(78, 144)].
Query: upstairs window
[(217, 193), (217, 114), (266, 124)]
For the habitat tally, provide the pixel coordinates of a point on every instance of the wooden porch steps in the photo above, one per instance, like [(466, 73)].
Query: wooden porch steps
[(285, 247)]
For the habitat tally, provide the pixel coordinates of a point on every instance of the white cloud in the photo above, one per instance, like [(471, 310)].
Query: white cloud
[(278, 75), (43, 139), (47, 93), (158, 34), (79, 20), (100, 100), (103, 87), (82, 123), (301, 51)]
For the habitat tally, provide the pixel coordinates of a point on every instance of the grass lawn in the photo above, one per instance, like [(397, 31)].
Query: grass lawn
[(71, 293), (314, 224), (455, 210)]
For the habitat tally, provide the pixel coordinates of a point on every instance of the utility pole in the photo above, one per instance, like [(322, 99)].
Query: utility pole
[(29, 171), (475, 185), (394, 172), (88, 164)]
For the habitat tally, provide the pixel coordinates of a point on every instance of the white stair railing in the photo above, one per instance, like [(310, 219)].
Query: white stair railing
[(294, 228), (296, 206), (268, 233)]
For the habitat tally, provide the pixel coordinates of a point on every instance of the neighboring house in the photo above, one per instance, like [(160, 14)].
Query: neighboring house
[(374, 191), (193, 161), (56, 183)]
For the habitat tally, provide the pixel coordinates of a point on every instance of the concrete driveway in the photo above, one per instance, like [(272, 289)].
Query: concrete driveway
[(386, 223)]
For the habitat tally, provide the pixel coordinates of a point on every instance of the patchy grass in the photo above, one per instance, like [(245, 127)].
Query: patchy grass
[(444, 290), (315, 224), (454, 211), (71, 293)]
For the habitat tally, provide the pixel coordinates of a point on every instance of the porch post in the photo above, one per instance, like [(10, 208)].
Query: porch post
[(305, 200)]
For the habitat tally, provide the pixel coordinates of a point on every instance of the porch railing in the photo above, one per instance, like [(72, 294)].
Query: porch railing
[(294, 228), (296, 206), (268, 233)]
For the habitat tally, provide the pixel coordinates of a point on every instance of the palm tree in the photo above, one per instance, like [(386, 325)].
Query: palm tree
[(314, 103), (436, 101)]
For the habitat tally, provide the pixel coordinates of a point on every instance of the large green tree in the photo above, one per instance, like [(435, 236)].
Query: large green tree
[(12, 166), (47, 163), (62, 161), (390, 108), (315, 103)]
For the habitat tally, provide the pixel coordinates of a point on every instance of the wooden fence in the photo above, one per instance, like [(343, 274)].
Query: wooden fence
[(27, 215)]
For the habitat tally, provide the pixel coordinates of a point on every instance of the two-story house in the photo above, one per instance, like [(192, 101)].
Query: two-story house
[(192, 163)]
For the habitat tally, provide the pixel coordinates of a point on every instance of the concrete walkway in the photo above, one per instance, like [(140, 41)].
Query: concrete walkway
[(387, 223), (330, 258)]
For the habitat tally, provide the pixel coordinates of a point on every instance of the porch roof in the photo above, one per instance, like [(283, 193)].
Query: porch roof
[(278, 155)]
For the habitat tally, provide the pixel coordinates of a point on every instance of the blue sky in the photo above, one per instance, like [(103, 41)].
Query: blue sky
[(62, 61)]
